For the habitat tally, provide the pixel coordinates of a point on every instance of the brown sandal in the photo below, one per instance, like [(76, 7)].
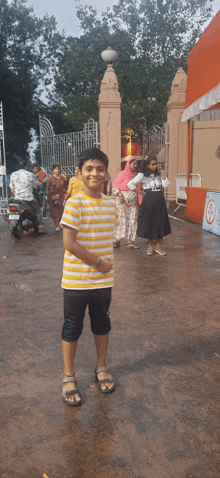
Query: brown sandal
[(69, 393), (132, 246), (105, 380)]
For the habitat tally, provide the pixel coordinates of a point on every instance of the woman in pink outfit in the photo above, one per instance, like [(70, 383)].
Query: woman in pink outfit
[(127, 205)]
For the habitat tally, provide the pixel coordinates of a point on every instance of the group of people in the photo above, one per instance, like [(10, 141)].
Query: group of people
[(141, 205), (31, 187), (92, 223), (139, 199)]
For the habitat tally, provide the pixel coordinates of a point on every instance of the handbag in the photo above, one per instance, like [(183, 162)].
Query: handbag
[(56, 200)]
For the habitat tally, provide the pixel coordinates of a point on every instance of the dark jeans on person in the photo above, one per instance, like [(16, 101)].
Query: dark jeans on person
[(75, 303), (37, 209)]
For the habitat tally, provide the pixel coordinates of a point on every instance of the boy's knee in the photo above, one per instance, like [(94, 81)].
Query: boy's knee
[(102, 326), (71, 333)]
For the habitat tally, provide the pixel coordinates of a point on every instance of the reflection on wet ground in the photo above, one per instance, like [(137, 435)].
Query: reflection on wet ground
[(164, 353), (22, 272)]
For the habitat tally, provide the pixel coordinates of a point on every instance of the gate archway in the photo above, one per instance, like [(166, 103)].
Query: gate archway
[(65, 148), (155, 142)]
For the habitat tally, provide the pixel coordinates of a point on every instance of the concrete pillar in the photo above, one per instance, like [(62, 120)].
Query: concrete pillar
[(110, 120), (177, 133)]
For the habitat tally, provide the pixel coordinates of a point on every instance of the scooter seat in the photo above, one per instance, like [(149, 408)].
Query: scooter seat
[(19, 201), (14, 201)]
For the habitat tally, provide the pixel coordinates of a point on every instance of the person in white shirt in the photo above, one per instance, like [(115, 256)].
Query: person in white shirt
[(153, 221), (22, 183)]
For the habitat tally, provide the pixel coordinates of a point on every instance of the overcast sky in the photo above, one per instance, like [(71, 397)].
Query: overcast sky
[(65, 11)]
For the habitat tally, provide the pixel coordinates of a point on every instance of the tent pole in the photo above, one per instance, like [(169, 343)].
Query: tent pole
[(188, 151)]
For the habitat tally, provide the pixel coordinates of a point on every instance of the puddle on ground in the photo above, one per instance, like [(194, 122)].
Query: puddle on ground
[(188, 231), (23, 272), (193, 248), (24, 287)]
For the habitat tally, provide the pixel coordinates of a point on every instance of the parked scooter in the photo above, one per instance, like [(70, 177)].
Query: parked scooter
[(21, 217)]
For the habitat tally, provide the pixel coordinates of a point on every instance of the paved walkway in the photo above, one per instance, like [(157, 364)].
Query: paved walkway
[(163, 419)]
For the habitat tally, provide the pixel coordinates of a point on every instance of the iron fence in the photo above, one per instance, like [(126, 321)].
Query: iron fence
[(154, 142), (65, 148)]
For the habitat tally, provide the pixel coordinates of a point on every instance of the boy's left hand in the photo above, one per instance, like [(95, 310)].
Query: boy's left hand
[(105, 266)]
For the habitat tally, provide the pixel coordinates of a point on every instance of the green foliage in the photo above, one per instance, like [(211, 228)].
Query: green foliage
[(152, 38), (30, 49)]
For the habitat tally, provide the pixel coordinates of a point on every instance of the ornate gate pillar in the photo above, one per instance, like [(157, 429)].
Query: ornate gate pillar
[(110, 120), (177, 133)]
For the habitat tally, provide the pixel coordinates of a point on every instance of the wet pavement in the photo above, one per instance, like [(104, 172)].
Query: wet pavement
[(164, 353)]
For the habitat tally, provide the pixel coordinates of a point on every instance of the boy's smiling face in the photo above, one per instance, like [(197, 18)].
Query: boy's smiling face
[(93, 175)]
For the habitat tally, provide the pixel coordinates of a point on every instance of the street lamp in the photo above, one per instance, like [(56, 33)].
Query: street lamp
[(109, 55)]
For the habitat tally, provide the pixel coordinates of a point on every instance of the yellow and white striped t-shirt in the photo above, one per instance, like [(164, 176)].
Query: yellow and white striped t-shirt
[(95, 221)]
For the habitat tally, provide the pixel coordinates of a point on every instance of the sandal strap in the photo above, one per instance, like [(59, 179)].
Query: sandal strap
[(110, 380), (101, 369), (69, 379), (68, 393)]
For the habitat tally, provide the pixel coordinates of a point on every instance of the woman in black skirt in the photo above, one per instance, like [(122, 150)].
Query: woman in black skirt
[(153, 221)]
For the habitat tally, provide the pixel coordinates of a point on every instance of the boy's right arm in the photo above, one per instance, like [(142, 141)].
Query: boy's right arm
[(70, 243)]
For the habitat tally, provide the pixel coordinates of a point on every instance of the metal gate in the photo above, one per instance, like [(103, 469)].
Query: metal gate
[(65, 148), (155, 142)]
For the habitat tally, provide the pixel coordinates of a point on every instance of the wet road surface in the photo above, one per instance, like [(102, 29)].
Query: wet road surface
[(164, 353)]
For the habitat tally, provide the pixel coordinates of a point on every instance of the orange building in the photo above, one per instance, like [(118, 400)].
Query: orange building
[(194, 143), (202, 113)]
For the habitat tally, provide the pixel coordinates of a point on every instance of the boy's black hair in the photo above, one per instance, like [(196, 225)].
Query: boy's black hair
[(93, 153), (56, 165), (145, 166)]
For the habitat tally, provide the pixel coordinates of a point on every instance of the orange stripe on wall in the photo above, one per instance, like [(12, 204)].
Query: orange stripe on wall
[(204, 63)]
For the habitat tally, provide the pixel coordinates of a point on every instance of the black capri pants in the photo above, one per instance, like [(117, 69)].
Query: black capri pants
[(75, 303)]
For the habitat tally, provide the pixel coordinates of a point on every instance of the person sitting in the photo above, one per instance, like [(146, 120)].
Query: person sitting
[(22, 184)]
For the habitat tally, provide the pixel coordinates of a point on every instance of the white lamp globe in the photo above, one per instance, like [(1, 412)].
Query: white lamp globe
[(109, 55)]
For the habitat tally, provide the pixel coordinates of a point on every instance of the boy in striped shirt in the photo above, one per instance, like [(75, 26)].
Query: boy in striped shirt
[(88, 222)]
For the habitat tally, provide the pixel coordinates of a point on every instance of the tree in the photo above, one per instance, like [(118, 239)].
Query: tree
[(152, 38), (30, 49), (77, 84), (17, 114)]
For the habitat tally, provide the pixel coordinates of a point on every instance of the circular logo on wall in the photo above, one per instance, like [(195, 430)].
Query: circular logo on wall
[(210, 211)]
